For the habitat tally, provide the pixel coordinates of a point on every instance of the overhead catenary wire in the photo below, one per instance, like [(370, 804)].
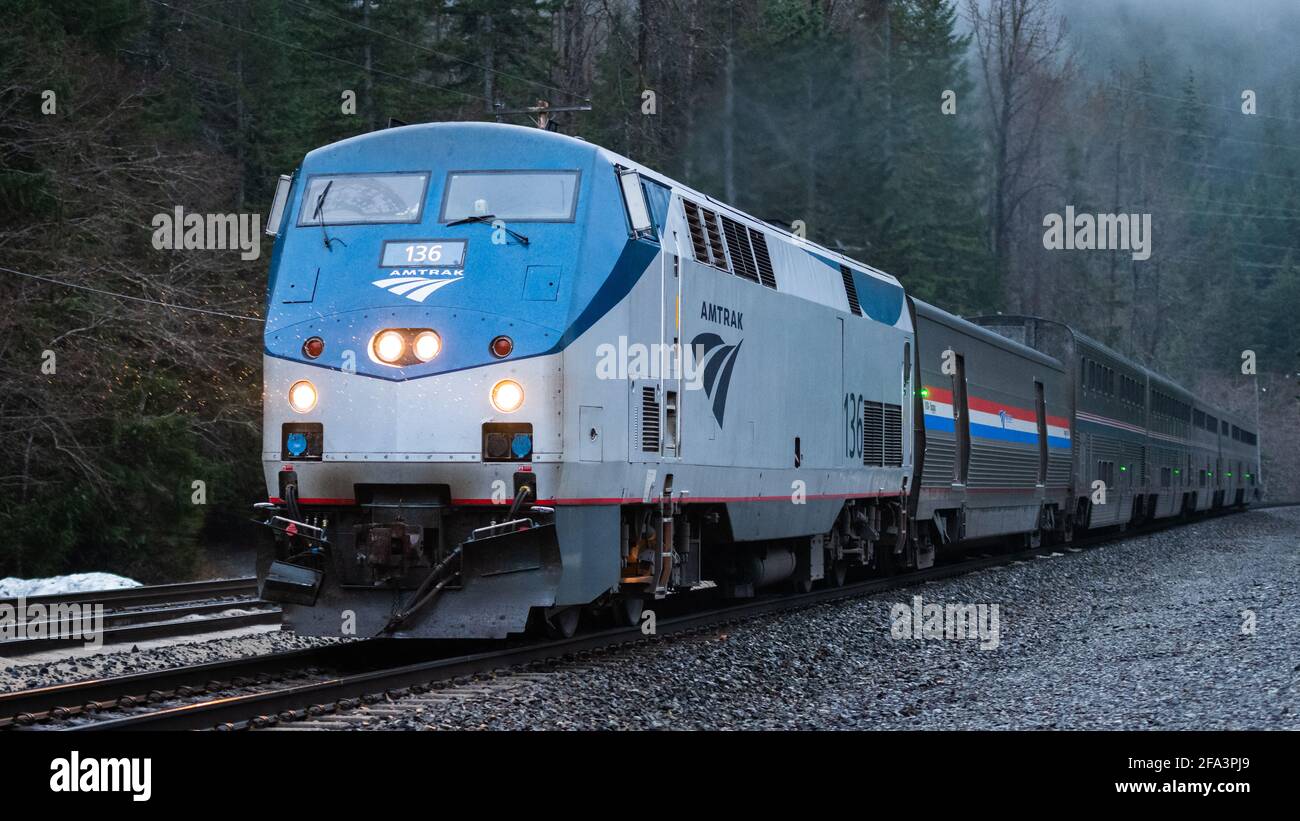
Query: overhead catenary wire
[(118, 295), (1187, 101), (1201, 135)]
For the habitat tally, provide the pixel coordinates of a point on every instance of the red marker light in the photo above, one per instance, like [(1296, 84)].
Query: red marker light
[(313, 347), (502, 346)]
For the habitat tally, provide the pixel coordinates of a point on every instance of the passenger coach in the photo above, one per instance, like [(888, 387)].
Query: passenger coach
[(1160, 451)]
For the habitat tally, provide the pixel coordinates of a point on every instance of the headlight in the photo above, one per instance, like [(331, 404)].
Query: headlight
[(507, 396), (427, 345), (389, 345), (302, 396)]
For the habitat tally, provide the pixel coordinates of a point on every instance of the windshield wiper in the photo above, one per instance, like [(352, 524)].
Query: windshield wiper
[(317, 215), (486, 219)]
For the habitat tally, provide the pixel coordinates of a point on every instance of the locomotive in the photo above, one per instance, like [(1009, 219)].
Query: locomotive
[(511, 377)]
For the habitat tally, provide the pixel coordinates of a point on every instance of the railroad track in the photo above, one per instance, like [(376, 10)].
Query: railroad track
[(139, 613), (326, 686)]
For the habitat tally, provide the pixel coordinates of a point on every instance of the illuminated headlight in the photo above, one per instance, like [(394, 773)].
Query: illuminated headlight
[(388, 346), (427, 345), (302, 396), (507, 396)]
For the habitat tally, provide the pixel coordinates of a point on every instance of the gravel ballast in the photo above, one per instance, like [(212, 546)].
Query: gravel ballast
[(1142, 634), (1147, 633), (57, 668)]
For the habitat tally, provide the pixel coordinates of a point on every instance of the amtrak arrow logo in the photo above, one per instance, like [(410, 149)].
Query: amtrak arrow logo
[(718, 359), (416, 288)]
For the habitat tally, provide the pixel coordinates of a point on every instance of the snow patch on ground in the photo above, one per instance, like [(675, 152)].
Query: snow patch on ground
[(12, 588)]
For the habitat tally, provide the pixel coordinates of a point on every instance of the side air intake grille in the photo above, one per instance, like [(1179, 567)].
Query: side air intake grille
[(715, 239), (851, 289), (742, 255), (745, 252), (696, 227), (706, 238), (882, 435), (873, 434), (759, 240), (893, 436), (649, 420)]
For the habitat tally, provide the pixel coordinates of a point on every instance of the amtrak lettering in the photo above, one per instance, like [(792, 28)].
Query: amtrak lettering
[(717, 359), (713, 312), (417, 283)]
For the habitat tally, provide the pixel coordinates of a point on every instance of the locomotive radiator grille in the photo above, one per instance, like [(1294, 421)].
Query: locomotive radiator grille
[(882, 434), (893, 436), (873, 434), (649, 420), (697, 232), (715, 239), (742, 256), (759, 240)]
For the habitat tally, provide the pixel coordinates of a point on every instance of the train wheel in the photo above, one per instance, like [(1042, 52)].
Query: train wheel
[(628, 609), (563, 623)]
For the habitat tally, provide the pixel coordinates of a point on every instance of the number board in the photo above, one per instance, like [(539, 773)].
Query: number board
[(446, 253)]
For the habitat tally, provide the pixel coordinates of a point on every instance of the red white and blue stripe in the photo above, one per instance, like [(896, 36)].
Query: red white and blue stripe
[(994, 420)]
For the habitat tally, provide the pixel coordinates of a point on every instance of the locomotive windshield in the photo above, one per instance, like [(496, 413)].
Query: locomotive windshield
[(516, 196), (351, 199)]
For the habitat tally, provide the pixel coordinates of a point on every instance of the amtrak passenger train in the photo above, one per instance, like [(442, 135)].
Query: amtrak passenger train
[(512, 377)]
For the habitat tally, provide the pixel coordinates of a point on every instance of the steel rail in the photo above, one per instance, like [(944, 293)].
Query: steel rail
[(267, 708), (28, 707), (23, 707), (139, 625), (123, 597)]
